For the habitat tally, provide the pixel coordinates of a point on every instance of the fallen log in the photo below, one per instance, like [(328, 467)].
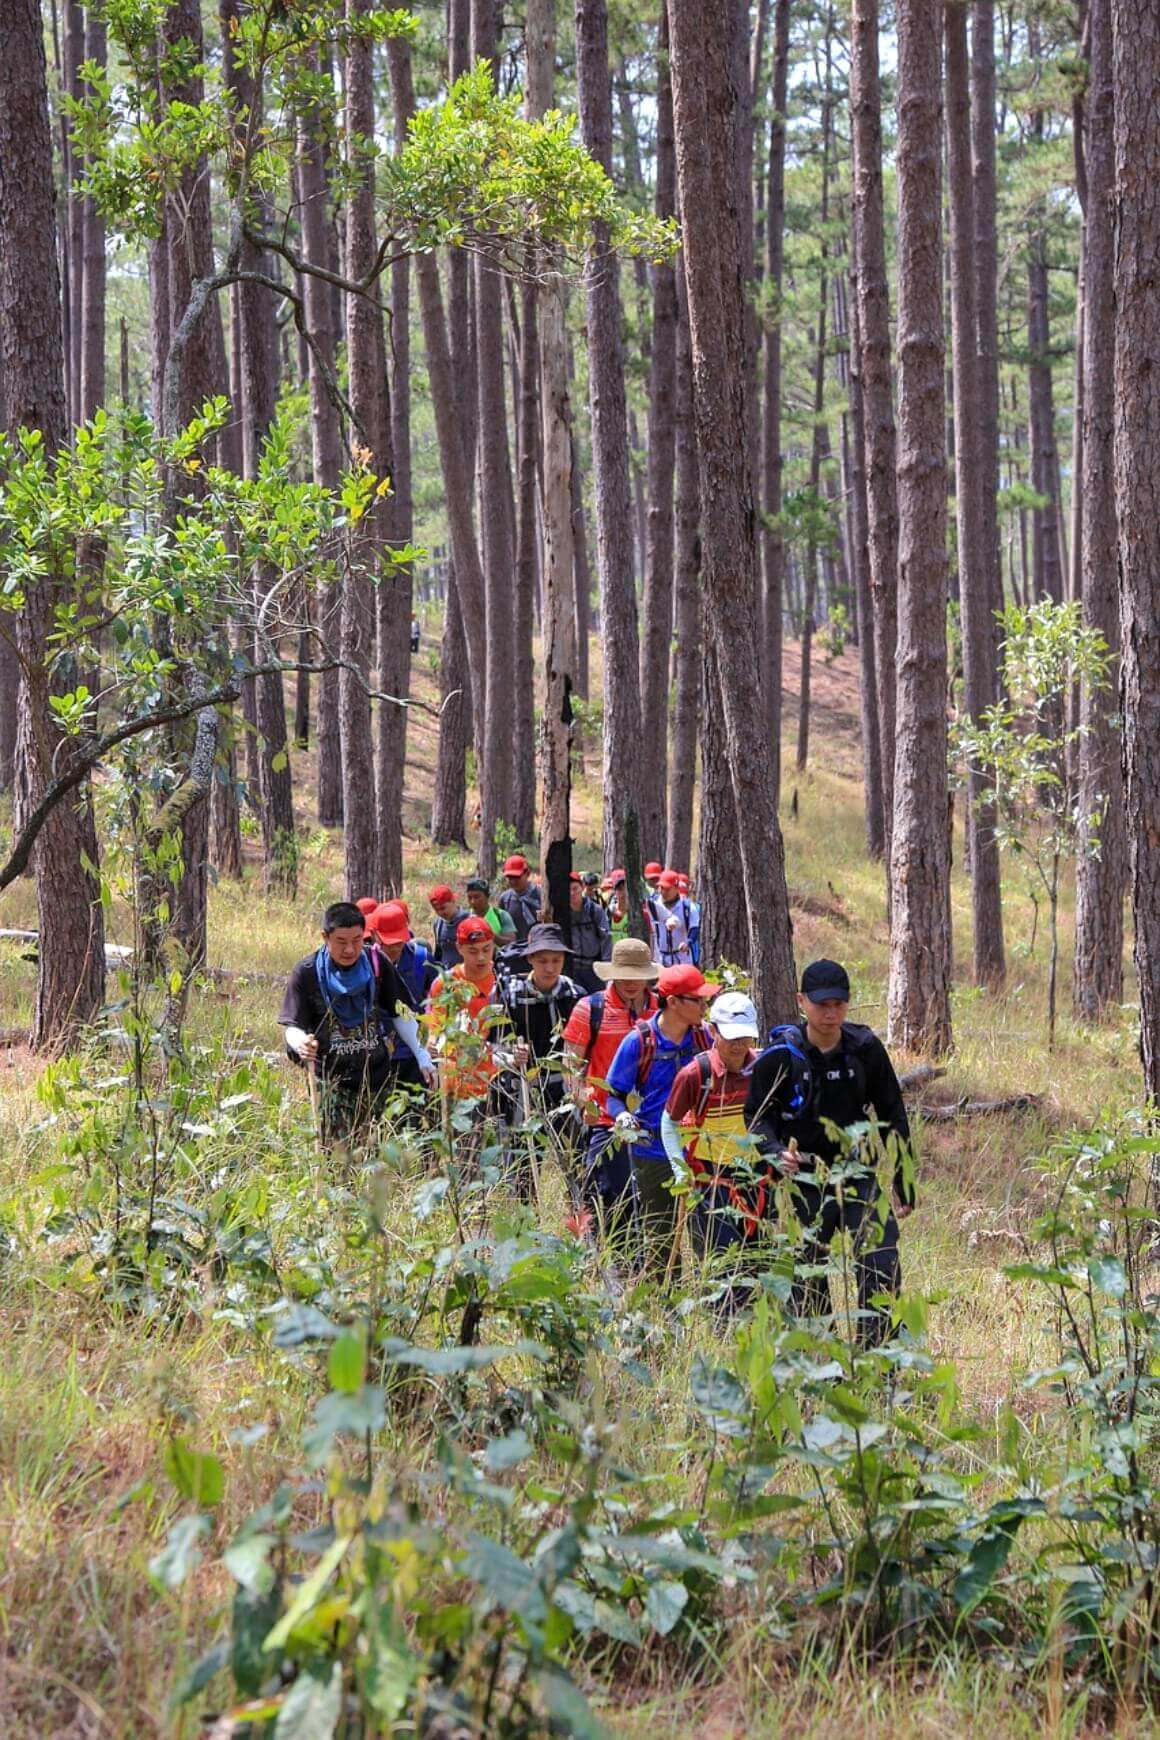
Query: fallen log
[(965, 1108), (915, 1078)]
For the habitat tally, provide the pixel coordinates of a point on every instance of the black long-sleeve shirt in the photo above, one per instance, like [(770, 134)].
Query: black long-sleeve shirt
[(844, 1086)]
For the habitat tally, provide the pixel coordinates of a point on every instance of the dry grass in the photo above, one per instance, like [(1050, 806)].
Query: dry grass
[(88, 1649)]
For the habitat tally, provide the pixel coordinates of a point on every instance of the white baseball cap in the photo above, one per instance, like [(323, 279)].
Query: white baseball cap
[(734, 1017)]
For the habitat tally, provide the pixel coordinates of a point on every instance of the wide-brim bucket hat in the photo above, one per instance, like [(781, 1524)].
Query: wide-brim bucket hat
[(631, 959)]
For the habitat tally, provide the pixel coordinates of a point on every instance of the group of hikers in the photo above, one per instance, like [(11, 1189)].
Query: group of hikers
[(654, 1085)]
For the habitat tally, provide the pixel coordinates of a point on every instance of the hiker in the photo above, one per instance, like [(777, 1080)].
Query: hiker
[(822, 1069), (652, 875), (616, 885), (472, 986), (592, 1036), (501, 923), (703, 1129), (414, 634), (449, 915), (592, 885), (366, 905), (537, 1005), (411, 959), (645, 1067), (335, 1011), (591, 934), (521, 898), (676, 923)]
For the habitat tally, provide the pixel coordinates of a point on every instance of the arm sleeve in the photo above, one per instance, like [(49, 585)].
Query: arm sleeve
[(673, 1144), (622, 1073), (762, 1110), (408, 1030), (885, 1097), (695, 932), (294, 1012)]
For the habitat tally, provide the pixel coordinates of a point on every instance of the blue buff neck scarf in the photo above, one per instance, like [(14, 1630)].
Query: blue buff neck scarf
[(349, 991)]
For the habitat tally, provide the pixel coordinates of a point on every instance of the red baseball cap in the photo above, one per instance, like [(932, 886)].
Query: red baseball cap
[(388, 924), (653, 869), (683, 981), (682, 882), (515, 865), (473, 930), (440, 894), (669, 879), (575, 876), (366, 905)]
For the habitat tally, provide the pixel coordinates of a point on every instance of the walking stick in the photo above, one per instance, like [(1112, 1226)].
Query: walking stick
[(678, 1235), (312, 1085)]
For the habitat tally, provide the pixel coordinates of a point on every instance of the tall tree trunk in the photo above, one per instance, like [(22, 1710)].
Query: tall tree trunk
[(877, 395), (986, 259), (980, 684), (559, 610), (74, 53), (1044, 455), (581, 571), (920, 942), (725, 933), (1136, 205), (855, 445), (618, 617), (705, 110), (656, 638), (92, 311), (259, 371), (523, 697), (820, 439), (319, 245), (71, 949), (367, 366), (687, 605), (1101, 869), (772, 546), (494, 478)]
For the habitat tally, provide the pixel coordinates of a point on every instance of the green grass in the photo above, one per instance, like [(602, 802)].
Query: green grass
[(87, 1647)]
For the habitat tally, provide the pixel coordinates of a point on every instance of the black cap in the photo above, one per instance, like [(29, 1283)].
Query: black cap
[(824, 981), (591, 878), (546, 939), (478, 885)]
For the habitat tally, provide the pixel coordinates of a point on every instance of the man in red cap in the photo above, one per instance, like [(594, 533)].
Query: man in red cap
[(645, 1066), (676, 923), (521, 898), (652, 873), (366, 906), (448, 916), (462, 1011), (391, 937)]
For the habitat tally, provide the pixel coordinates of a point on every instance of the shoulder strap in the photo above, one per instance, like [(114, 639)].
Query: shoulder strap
[(595, 1018), (648, 1050), (705, 1074)]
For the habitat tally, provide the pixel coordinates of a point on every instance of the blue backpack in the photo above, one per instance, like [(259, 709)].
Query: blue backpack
[(788, 1038)]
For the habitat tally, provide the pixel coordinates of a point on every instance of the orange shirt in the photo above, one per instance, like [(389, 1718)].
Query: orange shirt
[(466, 1063)]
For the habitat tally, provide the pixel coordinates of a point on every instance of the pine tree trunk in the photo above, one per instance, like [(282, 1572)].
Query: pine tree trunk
[(687, 604), (877, 393), (92, 313), (362, 861), (1048, 570), (618, 616), (71, 949), (820, 438), (581, 570), (980, 682), (772, 547), (725, 933), (523, 698), (986, 258), (319, 245), (705, 109), (1101, 868), (855, 447), (920, 943), (1136, 205), (73, 19), (657, 632)]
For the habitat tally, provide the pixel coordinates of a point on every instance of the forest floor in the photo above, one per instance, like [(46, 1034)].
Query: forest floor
[(89, 1647)]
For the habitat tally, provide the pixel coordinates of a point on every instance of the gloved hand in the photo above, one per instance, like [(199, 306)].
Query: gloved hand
[(303, 1045), (428, 1069), (627, 1128)]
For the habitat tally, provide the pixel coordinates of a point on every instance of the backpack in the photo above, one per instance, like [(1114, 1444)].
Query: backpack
[(804, 1086), (595, 1020), (648, 1048)]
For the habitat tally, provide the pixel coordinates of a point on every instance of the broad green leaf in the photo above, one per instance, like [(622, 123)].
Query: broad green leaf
[(303, 1323), (1107, 1273), (347, 1362), (506, 1452), (253, 1615), (311, 1708), (361, 1413), (181, 1552), (719, 1397), (505, 1578), (200, 1674), (197, 1476), (248, 1563), (664, 1603), (567, 1706)]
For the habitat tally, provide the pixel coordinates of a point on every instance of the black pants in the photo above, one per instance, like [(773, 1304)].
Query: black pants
[(877, 1266)]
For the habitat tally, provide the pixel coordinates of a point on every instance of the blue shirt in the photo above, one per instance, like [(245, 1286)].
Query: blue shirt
[(667, 1060), (417, 971)]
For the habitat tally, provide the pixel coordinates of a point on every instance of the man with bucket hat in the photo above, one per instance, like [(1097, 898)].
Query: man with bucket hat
[(592, 1035)]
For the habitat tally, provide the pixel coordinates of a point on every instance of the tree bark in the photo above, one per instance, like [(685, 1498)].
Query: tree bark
[(657, 634), (705, 109), (687, 604), (920, 943), (71, 952), (362, 867), (855, 447), (819, 442), (1101, 869), (772, 547), (73, 19), (319, 244), (581, 569), (527, 553), (985, 194), (1047, 568), (976, 597), (92, 311), (618, 615), (1136, 208)]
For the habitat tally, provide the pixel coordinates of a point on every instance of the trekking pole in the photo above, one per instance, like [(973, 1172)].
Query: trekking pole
[(312, 1086), (678, 1235)]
